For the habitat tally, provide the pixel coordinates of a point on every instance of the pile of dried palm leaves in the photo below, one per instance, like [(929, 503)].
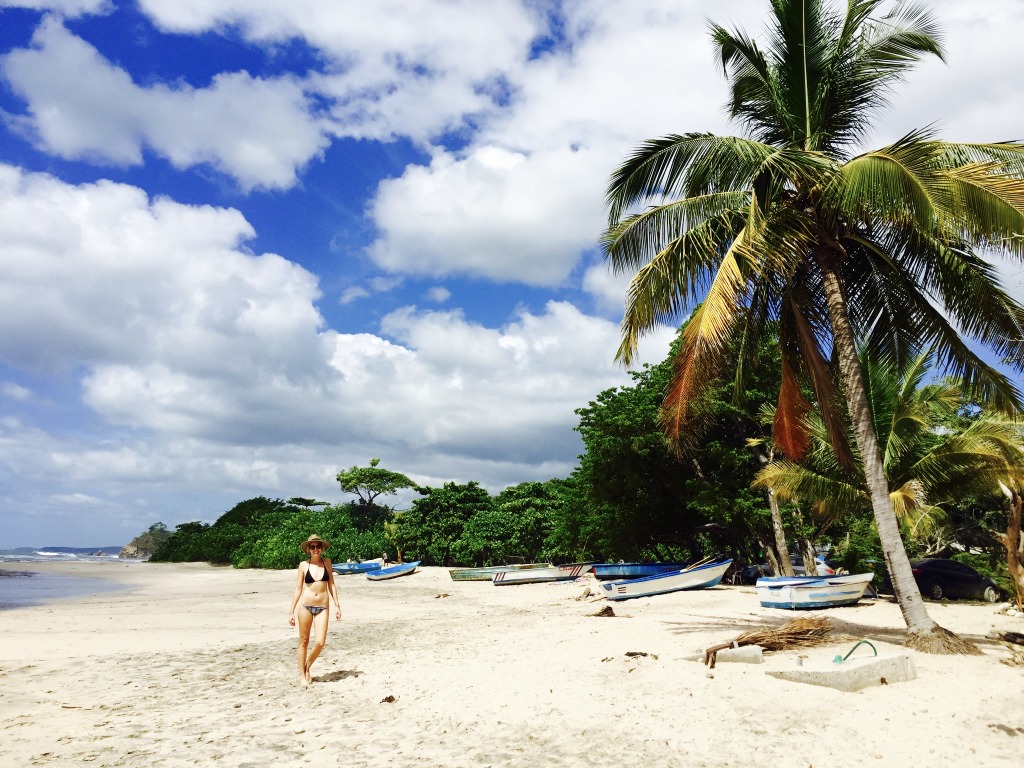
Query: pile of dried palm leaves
[(805, 632)]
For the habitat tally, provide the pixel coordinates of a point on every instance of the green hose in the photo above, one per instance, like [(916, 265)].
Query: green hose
[(841, 659)]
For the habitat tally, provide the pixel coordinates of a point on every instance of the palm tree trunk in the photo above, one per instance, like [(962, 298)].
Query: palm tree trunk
[(769, 555), (810, 558), (925, 634), (778, 531), (785, 563), (1013, 543)]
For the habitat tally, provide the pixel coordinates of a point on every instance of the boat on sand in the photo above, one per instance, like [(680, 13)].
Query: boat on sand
[(486, 573), (393, 571), (808, 592), (699, 576), (361, 567), (540, 575), (619, 571)]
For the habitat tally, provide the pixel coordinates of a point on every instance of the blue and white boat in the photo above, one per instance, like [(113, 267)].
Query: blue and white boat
[(616, 571), (366, 565), (393, 571), (808, 592), (694, 577)]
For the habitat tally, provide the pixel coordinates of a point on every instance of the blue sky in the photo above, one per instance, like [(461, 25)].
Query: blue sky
[(247, 243)]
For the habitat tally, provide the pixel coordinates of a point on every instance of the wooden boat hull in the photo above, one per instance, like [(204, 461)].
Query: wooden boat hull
[(809, 592), (699, 577), (541, 575), (393, 572), (487, 573), (621, 571), (366, 565)]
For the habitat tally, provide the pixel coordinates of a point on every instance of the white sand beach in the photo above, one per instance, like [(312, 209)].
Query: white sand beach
[(194, 665)]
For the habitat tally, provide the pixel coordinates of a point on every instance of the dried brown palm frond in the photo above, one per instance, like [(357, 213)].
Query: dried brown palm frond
[(805, 632)]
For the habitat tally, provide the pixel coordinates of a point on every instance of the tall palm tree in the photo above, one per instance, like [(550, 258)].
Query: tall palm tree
[(792, 221)]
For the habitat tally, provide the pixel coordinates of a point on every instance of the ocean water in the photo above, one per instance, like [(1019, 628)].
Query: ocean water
[(21, 588)]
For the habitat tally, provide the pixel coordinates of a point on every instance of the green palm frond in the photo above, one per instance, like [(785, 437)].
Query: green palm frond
[(681, 166), (711, 327), (894, 183), (902, 37), (923, 521), (660, 290), (1008, 154), (702, 224), (896, 314), (793, 482), (986, 206)]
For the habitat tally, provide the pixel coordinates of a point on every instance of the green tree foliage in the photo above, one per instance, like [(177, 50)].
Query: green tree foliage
[(303, 501), (437, 520), (263, 533), (253, 512), (573, 522), (151, 540), (944, 461), (371, 484), (185, 545), (641, 500), (514, 526)]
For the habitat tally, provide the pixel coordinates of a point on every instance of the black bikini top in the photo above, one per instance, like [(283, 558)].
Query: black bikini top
[(310, 579)]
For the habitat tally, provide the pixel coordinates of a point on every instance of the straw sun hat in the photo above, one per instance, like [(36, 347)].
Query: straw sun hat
[(314, 539)]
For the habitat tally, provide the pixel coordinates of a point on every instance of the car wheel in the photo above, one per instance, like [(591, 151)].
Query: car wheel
[(935, 592), (990, 595)]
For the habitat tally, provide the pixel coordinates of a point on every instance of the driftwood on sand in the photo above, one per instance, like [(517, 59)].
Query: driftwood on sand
[(804, 632)]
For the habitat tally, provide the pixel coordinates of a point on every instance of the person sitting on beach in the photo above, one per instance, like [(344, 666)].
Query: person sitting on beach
[(314, 587)]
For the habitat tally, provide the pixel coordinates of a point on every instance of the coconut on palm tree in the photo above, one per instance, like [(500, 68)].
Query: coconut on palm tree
[(793, 221)]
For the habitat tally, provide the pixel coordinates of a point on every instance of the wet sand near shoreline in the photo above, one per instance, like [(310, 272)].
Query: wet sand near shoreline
[(194, 665)]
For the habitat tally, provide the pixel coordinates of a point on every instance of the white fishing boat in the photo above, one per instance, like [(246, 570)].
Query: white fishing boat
[(486, 573), (808, 592), (694, 577), (540, 575)]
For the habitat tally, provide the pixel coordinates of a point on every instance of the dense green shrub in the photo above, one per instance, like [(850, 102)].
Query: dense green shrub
[(859, 550), (436, 522), (185, 545)]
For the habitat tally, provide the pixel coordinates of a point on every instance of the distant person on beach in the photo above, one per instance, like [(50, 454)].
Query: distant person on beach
[(314, 588)]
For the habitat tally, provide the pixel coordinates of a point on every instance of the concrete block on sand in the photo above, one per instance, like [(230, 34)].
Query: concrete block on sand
[(852, 674), (745, 654)]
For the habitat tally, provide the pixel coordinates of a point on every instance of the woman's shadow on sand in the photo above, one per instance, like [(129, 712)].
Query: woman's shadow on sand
[(334, 677)]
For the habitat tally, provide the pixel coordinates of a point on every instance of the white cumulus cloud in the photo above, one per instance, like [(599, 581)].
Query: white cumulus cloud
[(209, 368), (81, 106), (503, 215)]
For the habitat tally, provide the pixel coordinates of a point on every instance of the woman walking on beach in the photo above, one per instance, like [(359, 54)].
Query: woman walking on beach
[(314, 588)]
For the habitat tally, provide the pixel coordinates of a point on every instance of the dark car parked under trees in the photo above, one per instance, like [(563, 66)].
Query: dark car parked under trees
[(938, 578)]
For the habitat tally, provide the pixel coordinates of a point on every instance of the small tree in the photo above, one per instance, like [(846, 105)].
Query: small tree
[(369, 484)]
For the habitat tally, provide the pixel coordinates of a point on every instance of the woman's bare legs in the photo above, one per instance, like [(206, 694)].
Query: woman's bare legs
[(319, 641), (305, 623)]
